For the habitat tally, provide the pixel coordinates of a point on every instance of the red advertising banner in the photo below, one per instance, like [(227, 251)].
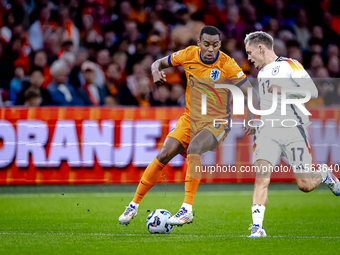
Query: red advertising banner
[(114, 145)]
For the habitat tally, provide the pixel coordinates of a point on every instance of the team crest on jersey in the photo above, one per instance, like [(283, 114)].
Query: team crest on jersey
[(275, 70), (215, 74)]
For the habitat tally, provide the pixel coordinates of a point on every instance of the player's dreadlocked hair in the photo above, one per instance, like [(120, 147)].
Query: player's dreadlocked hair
[(259, 37), (210, 30)]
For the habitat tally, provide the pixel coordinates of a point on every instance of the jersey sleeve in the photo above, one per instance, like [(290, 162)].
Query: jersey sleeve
[(301, 78), (178, 58), (235, 73)]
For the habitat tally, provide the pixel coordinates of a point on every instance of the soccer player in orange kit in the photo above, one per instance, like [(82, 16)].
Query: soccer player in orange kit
[(194, 133)]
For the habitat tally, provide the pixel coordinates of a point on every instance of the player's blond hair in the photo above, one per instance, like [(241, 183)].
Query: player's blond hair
[(258, 37)]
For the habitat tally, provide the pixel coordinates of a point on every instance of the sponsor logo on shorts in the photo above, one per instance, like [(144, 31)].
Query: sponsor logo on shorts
[(172, 130)]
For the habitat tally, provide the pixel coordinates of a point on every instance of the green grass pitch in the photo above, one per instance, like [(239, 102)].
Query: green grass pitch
[(86, 223)]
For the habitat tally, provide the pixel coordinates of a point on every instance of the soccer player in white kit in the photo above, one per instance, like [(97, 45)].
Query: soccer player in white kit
[(275, 138)]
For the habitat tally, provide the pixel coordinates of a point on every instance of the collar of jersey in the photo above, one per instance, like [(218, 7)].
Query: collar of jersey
[(279, 58), (270, 64), (218, 54)]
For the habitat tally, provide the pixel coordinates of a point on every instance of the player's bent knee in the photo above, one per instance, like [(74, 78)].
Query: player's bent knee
[(165, 156), (262, 163), (263, 176), (194, 150), (170, 149), (305, 185), (305, 189), (262, 181), (263, 170)]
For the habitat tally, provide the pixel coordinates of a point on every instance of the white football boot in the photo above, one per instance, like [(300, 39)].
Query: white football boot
[(180, 218), (332, 183), (257, 231), (130, 213)]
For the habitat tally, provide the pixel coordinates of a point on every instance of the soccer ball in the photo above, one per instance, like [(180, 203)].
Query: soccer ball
[(156, 222)]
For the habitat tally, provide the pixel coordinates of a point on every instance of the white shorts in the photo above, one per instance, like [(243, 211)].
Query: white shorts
[(273, 143)]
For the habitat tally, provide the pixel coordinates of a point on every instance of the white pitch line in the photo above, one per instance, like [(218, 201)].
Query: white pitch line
[(306, 237), (122, 235)]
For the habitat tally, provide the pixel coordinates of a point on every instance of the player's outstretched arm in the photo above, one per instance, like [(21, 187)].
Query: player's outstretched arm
[(156, 70), (244, 87)]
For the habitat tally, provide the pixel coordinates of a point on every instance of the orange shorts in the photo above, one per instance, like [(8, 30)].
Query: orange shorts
[(184, 131)]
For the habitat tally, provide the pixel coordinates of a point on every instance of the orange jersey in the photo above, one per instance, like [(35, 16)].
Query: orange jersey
[(202, 78)]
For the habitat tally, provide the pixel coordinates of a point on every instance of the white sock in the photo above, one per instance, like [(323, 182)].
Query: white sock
[(258, 214), (134, 204), (187, 207)]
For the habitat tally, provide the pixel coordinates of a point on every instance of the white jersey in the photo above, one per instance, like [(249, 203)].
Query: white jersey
[(284, 72)]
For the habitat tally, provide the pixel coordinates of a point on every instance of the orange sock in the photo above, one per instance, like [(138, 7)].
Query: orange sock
[(191, 184), (149, 178)]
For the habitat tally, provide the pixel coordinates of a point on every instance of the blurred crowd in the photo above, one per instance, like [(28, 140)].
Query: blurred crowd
[(99, 52)]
